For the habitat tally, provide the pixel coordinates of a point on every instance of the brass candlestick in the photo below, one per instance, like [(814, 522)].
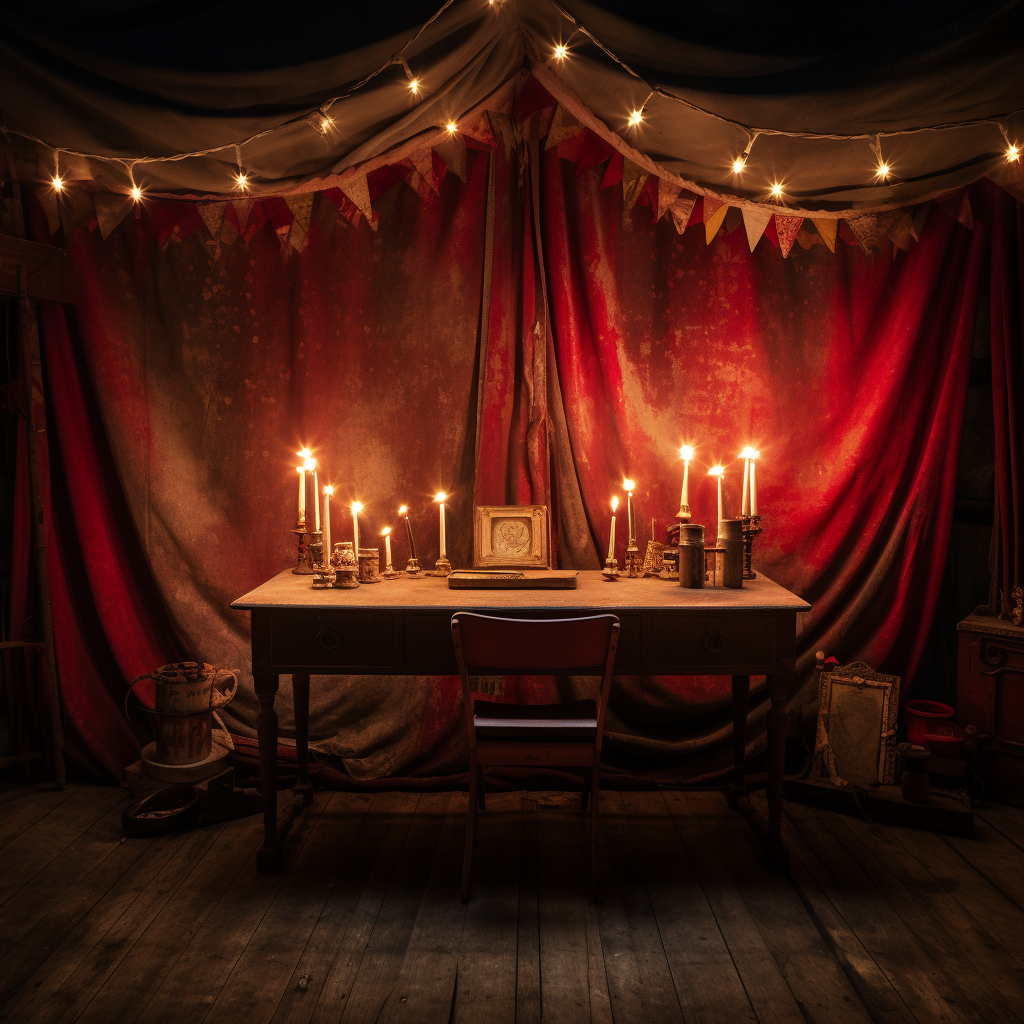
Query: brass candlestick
[(633, 563), (412, 567), (751, 529), (442, 568), (611, 570), (302, 565)]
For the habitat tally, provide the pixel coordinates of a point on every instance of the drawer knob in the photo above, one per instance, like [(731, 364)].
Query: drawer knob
[(716, 640), (328, 639)]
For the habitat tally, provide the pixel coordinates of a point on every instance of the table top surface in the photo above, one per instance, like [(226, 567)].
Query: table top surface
[(593, 593)]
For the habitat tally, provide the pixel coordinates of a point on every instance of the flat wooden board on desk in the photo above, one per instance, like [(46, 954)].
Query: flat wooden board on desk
[(520, 580), (592, 592)]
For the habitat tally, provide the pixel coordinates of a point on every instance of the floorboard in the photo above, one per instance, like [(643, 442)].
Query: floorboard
[(363, 925)]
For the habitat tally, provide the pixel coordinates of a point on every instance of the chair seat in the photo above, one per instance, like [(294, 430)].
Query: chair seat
[(572, 722)]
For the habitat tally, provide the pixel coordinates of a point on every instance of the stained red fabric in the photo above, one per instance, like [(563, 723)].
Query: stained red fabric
[(518, 339)]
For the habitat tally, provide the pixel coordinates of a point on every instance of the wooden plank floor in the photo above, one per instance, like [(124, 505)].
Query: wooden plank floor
[(874, 923)]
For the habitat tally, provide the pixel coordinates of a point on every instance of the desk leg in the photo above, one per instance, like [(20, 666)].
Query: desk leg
[(300, 697), (268, 857), (778, 730), (740, 701)]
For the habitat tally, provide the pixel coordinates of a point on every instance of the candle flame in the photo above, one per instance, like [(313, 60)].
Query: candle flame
[(686, 453), (299, 469), (404, 510), (716, 471), (309, 465), (304, 454), (615, 504), (385, 531), (748, 453), (357, 506), (328, 489), (440, 496), (628, 485)]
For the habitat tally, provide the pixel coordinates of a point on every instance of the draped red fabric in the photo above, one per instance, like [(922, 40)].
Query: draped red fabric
[(517, 338)]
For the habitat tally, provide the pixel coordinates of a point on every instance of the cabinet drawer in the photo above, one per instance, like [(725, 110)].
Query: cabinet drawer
[(712, 641), (333, 639)]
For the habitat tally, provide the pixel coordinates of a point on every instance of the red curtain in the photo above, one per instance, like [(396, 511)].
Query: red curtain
[(516, 338)]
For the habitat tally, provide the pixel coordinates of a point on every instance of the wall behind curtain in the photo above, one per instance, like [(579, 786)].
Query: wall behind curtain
[(515, 339)]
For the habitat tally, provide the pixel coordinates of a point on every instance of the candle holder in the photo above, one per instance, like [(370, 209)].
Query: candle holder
[(390, 573), (653, 558), (634, 566), (323, 577), (751, 529), (611, 570), (412, 567), (669, 564), (683, 515), (346, 569), (302, 563), (369, 565), (442, 568), (315, 550)]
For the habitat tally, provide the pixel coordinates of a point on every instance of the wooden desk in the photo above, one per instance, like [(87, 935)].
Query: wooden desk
[(402, 627)]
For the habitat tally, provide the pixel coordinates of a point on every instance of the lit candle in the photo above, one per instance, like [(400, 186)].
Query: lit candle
[(686, 454), (718, 471), (441, 497), (627, 486), (386, 533), (357, 507), (404, 511), (747, 454), (310, 467), (302, 495), (753, 481), (611, 535), (328, 491), (652, 527)]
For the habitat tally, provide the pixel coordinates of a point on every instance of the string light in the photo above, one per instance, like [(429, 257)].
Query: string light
[(561, 51), (242, 181), (883, 170), (776, 190), (325, 123), (414, 86), (741, 161), (58, 183), (451, 127), (1012, 153), (635, 118), (136, 193)]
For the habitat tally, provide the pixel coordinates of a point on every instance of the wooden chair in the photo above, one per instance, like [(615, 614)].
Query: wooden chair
[(562, 735)]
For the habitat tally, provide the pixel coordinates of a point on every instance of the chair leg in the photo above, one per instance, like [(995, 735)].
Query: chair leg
[(586, 791), (481, 795), (595, 794), (467, 857)]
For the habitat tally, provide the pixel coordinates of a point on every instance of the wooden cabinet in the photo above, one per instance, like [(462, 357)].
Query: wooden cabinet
[(990, 697)]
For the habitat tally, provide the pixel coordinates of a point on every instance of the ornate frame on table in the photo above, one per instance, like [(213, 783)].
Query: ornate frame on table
[(526, 546)]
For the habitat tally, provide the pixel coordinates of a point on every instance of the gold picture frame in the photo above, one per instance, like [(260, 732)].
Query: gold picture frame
[(856, 738), (510, 537)]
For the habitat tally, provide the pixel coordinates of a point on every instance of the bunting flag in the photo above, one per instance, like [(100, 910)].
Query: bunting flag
[(786, 228), (111, 209), (423, 161), (453, 152), (301, 205), (714, 214), (213, 217), (242, 208), (633, 179), (668, 191), (325, 213), (564, 126), (755, 220), (827, 229), (357, 189), (229, 230), (538, 124), (76, 208), (681, 209), (918, 217), (958, 206), (865, 229), (503, 128)]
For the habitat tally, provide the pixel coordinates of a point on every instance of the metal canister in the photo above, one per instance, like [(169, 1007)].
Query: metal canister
[(691, 556), (731, 538)]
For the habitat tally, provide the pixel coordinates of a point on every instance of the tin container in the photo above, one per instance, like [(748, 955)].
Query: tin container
[(369, 565), (691, 556), (732, 560)]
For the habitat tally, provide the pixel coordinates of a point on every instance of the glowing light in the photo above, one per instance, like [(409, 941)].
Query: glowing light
[(136, 193), (242, 181), (776, 190), (385, 531), (882, 170), (304, 454), (738, 164), (686, 453), (414, 86), (628, 485), (635, 118), (451, 127), (325, 123), (716, 470), (749, 453), (403, 510), (615, 504), (57, 183), (561, 51), (309, 465), (357, 507), (328, 489), (440, 496), (1012, 153)]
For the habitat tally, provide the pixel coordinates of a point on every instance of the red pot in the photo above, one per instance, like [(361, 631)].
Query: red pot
[(929, 725)]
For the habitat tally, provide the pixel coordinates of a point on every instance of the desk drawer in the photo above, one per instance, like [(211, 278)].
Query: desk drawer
[(711, 641), (328, 639)]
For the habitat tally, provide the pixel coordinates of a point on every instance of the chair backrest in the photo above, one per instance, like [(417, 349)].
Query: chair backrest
[(491, 645)]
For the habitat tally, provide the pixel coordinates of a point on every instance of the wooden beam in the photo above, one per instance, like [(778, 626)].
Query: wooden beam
[(49, 271)]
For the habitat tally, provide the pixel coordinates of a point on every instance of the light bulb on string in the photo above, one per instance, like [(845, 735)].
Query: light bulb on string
[(738, 164), (451, 127), (560, 52), (636, 118), (57, 182), (414, 86), (1012, 153), (776, 190), (136, 193), (883, 171), (241, 181)]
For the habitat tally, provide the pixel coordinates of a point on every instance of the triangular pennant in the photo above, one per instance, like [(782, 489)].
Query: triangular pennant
[(111, 209), (786, 229), (257, 217), (681, 210), (356, 187), (667, 193), (918, 217), (229, 232), (297, 234), (423, 161), (48, 201), (613, 172), (76, 209), (564, 126), (213, 215), (714, 220), (453, 152), (958, 206), (865, 229), (901, 230), (301, 206), (502, 127), (325, 213), (593, 152), (827, 229), (538, 124), (633, 179), (241, 208), (755, 220)]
